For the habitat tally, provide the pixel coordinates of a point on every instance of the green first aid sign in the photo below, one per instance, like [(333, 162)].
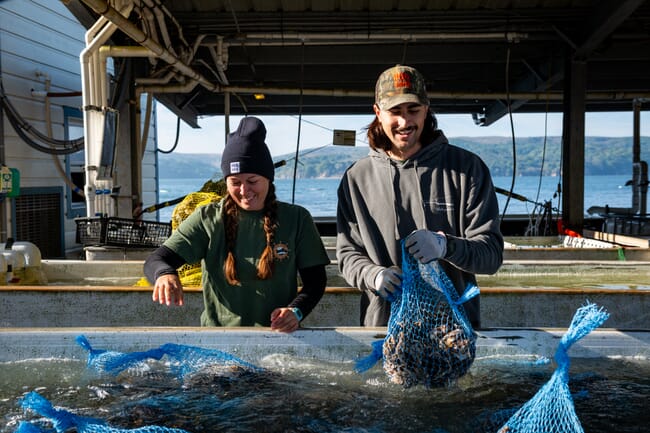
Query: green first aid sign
[(9, 181)]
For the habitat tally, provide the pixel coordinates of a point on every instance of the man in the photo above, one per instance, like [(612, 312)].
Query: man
[(416, 186)]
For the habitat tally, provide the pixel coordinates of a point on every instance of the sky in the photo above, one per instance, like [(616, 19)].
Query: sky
[(317, 131)]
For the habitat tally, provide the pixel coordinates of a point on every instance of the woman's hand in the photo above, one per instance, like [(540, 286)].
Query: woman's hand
[(168, 290), (284, 320)]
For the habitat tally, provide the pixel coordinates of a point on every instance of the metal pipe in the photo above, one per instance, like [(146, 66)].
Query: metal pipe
[(160, 10), (217, 58), (636, 130), (149, 17), (131, 51), (540, 96), (101, 7), (141, 142), (282, 38), (226, 113), (180, 88), (162, 80), (639, 167), (126, 51)]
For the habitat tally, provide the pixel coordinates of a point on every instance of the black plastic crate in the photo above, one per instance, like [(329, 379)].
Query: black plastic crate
[(91, 231), (122, 232)]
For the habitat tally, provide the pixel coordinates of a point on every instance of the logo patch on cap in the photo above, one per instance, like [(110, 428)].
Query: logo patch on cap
[(402, 80), (234, 167), (398, 85)]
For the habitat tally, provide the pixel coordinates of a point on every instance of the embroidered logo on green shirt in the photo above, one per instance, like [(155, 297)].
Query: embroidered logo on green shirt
[(280, 250)]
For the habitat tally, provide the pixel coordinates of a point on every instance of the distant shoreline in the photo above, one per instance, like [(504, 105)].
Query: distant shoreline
[(320, 197), (603, 156)]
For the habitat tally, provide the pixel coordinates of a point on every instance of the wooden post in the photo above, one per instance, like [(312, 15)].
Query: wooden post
[(573, 144)]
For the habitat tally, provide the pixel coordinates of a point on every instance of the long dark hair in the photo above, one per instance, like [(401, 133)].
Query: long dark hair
[(231, 223), (377, 138)]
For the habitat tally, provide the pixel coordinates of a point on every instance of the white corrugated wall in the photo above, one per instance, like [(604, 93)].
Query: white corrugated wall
[(41, 40)]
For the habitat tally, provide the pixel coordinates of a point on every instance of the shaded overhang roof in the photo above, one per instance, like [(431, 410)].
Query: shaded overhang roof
[(484, 57)]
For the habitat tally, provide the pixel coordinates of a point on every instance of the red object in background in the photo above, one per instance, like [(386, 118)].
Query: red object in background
[(566, 231)]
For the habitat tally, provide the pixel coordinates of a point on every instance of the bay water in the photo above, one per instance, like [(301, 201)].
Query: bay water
[(319, 195)]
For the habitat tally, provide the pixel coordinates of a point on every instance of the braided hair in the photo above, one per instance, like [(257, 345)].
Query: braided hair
[(231, 223)]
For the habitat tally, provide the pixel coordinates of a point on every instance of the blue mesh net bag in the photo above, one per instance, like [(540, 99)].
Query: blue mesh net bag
[(180, 359), (28, 427), (65, 421), (551, 409), (113, 362), (429, 339), (185, 360)]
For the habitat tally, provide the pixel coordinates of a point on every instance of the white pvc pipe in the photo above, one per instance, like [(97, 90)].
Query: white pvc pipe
[(94, 91), (93, 118)]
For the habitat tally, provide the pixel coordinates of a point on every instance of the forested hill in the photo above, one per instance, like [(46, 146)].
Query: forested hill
[(603, 155)]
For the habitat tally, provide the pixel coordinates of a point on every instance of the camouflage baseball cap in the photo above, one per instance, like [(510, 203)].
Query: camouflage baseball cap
[(400, 84)]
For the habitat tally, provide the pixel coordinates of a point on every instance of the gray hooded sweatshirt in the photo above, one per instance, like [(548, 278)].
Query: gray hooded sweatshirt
[(381, 200)]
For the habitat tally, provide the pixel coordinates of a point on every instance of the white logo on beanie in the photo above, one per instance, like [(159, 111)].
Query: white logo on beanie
[(234, 167)]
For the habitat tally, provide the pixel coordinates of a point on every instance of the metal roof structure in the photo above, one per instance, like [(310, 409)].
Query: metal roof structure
[(488, 58), (484, 57)]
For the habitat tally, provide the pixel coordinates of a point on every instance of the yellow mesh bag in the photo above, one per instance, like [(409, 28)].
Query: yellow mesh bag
[(211, 191), (190, 203)]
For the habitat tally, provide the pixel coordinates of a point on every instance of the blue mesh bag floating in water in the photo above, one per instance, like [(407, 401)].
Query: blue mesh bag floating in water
[(182, 360), (429, 339), (551, 408), (28, 427), (190, 359), (64, 421), (112, 362)]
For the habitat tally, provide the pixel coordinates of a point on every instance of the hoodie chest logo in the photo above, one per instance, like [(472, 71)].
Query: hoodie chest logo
[(440, 206)]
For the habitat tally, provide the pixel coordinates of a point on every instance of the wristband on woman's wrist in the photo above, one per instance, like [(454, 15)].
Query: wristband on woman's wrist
[(297, 312)]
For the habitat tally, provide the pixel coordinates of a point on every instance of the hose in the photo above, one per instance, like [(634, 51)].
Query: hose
[(50, 146)]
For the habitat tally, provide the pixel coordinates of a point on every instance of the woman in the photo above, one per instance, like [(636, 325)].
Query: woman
[(250, 246)]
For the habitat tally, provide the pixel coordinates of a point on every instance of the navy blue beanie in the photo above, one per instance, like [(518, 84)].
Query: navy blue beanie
[(246, 151)]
